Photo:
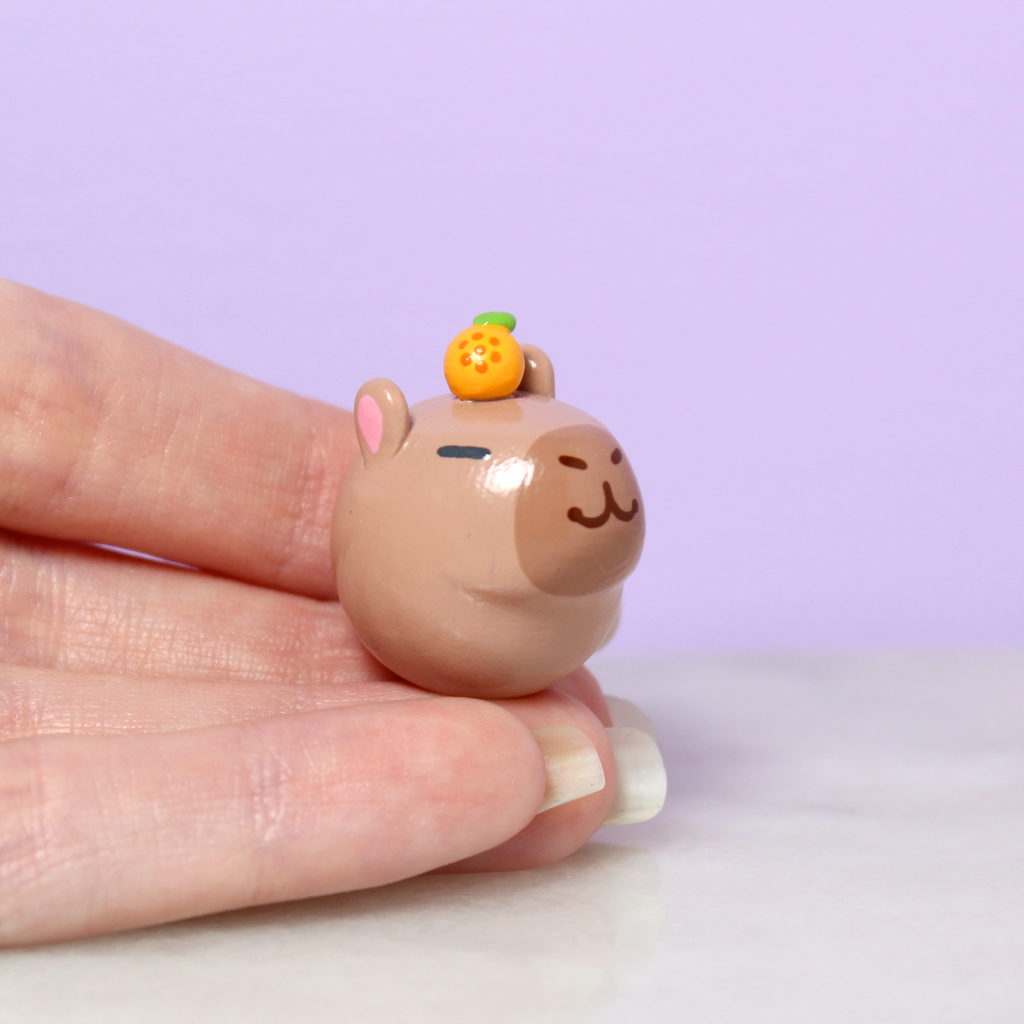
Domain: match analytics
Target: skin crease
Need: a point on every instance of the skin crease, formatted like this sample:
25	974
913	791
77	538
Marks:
178	741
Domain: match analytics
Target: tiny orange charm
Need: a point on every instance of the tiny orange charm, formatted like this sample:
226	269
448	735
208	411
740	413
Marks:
485	361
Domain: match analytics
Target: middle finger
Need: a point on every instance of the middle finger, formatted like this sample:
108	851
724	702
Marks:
83	609
78	610
110	643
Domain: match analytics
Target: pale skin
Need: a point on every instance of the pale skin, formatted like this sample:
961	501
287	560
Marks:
179	741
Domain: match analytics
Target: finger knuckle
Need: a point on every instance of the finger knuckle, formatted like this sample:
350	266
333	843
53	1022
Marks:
272	786
51	402
25	852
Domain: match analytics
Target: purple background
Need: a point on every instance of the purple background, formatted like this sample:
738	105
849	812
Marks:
777	247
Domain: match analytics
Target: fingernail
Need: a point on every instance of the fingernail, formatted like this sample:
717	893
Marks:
627	715
642	780
573	765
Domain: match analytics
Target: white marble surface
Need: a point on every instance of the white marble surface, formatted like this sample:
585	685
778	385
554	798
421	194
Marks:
843	842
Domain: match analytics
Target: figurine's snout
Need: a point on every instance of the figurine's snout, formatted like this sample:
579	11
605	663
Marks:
579	523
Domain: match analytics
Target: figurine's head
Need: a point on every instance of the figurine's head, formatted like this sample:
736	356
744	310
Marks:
479	546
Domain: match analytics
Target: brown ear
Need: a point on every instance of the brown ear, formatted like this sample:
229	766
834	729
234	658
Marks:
539	377
382	419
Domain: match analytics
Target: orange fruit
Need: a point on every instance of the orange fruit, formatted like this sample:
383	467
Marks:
484	361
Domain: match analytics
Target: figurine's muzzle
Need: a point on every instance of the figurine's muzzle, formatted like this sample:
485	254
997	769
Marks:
561	548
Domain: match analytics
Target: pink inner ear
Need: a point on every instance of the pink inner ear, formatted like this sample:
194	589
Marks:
371	422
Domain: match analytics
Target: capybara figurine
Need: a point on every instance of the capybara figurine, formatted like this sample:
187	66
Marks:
480	542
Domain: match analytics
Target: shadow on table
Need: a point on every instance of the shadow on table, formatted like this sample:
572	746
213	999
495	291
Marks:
535	946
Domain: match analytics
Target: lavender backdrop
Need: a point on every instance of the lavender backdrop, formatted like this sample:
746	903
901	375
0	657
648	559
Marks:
777	247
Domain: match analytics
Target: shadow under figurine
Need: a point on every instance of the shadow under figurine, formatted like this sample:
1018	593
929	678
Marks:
480	543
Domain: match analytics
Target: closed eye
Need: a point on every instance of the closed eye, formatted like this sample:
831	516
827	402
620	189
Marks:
463	451
572	462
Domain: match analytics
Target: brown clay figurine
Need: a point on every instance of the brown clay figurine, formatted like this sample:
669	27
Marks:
480	543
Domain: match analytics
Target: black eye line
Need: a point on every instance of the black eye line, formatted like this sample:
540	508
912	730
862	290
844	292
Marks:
572	462
616	456
463	451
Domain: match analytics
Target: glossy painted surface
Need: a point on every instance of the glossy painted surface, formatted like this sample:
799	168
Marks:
483	362
478	545
573	536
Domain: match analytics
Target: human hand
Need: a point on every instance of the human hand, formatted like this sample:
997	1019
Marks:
179	741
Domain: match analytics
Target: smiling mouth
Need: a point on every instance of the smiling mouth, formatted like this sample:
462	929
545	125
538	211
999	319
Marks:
611	508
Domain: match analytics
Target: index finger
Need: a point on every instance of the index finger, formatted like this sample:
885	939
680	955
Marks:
111	435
